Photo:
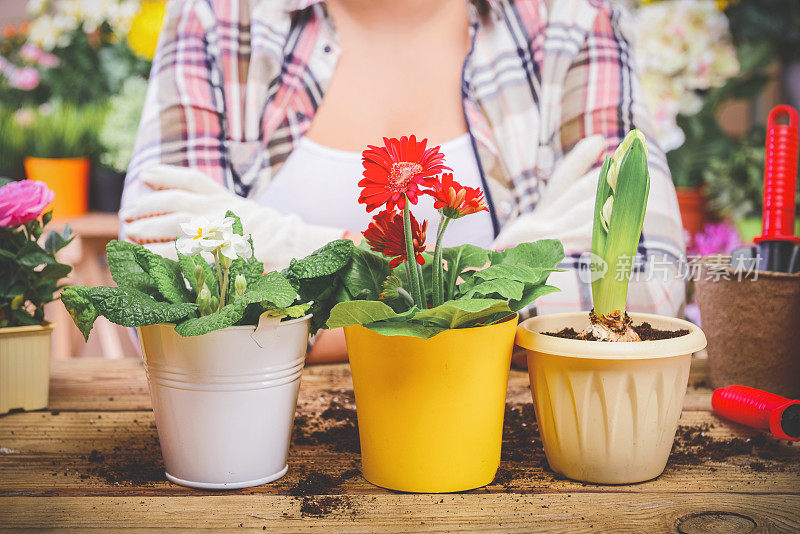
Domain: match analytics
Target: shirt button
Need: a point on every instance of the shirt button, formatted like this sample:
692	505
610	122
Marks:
327	49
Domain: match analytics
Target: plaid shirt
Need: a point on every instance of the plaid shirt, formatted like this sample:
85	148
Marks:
236	83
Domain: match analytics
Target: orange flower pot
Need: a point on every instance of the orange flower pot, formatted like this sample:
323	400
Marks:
69	180
692	203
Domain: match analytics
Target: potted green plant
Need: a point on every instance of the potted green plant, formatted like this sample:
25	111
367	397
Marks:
608	393
430	334
223	345
62	140
118	135
30	279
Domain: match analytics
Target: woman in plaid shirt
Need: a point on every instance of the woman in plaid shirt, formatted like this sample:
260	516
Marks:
539	90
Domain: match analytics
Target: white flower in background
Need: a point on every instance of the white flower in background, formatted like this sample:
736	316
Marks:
682	47
54	21
204	235
37	7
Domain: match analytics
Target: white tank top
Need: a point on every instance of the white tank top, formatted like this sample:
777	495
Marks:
320	185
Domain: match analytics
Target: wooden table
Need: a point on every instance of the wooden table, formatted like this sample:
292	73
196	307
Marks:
92	461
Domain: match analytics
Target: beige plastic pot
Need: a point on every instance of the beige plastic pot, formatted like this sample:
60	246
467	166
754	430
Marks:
607	412
24	367
224	402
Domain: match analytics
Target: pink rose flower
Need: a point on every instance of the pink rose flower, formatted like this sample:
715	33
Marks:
23	201
26	78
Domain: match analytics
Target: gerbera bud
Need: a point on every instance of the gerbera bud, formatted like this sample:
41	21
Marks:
240	284
199	276
454	199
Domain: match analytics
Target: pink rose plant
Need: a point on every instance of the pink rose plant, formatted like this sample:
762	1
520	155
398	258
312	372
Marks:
23	201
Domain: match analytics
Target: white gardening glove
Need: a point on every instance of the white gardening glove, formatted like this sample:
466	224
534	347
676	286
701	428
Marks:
172	195
565	210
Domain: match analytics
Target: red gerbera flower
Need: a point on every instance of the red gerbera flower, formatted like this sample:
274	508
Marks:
397	170
385	234
456	200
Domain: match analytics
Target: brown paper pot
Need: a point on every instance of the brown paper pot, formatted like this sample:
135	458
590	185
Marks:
752	325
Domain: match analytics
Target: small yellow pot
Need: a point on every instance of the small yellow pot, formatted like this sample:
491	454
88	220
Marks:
607	412
430	412
24	367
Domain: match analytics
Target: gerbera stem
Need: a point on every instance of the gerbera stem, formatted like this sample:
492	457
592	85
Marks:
411	258
438	268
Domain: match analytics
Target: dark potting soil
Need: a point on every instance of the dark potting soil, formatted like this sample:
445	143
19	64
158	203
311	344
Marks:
645	330
336	428
693	446
318	483
322	506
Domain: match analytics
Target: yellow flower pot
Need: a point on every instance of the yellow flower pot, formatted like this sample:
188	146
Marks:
24	367
607	412
430	412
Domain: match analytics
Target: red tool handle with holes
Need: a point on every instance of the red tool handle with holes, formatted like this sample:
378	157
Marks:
759	409
780	176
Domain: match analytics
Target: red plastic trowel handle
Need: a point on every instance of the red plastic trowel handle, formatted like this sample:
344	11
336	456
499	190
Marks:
759	409
780	177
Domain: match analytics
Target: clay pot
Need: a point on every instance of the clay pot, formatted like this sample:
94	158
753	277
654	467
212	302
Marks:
692	203
751	320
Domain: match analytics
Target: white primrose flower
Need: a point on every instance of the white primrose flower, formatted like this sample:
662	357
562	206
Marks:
234	245
203	234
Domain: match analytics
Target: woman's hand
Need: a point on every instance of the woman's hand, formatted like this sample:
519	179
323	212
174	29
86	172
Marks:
176	194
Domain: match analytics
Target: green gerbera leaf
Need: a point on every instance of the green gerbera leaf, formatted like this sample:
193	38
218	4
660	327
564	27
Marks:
359	312
462	313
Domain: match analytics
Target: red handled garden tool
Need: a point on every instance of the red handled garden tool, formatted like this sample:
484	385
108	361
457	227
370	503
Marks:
759	409
776	249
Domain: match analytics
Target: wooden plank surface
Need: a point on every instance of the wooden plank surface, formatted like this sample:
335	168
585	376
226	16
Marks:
93	459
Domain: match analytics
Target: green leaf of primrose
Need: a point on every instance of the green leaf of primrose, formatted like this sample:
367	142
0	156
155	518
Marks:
126	271
269	292
237	222
166	275
327	260
125	307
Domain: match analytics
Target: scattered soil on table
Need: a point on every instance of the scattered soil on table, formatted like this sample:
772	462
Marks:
645	330
335	428
521	441
322	506
134	460
318	483
693	446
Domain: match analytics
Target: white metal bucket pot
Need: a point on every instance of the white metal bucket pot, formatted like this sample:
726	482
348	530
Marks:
224	402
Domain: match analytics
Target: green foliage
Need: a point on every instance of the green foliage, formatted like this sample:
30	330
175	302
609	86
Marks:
735	182
152	289
63	130
31	273
121	123
492	286
13	144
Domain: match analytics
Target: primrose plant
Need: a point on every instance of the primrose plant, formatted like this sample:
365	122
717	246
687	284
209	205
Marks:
618	219
395	287
199	296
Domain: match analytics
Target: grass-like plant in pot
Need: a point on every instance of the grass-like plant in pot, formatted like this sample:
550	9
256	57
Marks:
430	334
608	392
31	277
223	344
